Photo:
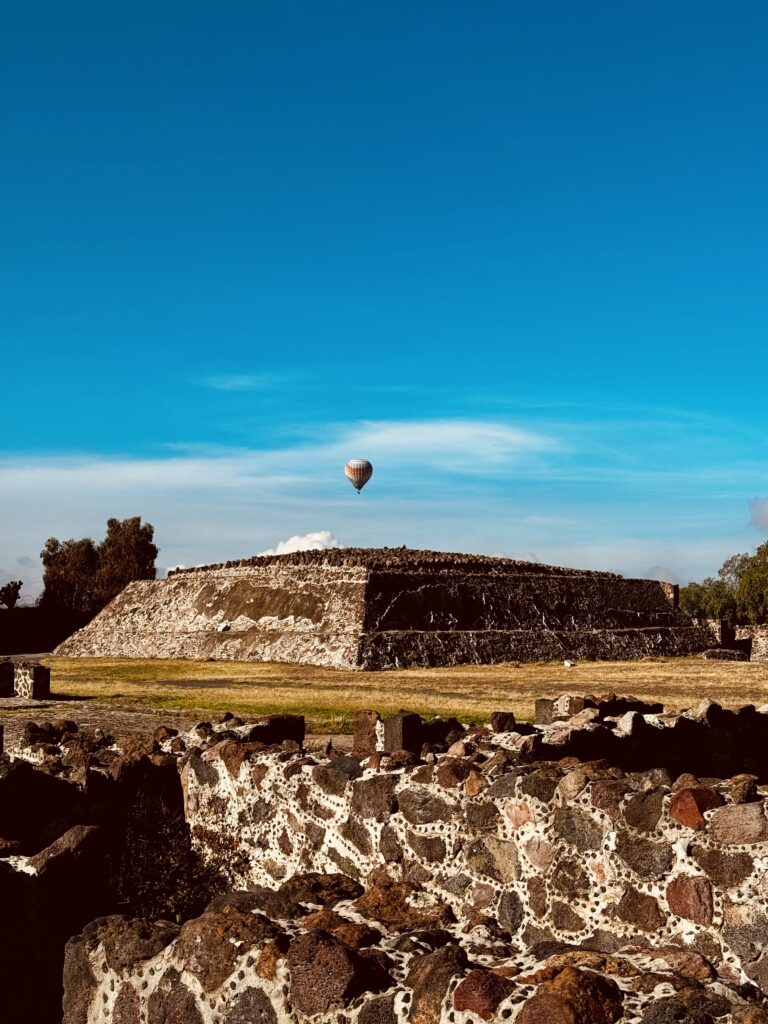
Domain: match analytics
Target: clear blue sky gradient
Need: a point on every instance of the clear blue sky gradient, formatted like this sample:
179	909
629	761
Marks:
244	231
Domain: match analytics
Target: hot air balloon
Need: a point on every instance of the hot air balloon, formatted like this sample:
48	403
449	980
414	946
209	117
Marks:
358	472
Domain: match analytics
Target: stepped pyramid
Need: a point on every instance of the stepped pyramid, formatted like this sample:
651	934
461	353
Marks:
381	608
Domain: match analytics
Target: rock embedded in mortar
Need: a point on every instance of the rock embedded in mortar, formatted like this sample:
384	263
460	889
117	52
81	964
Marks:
481	992
690	896
689	805
327	974
574	997
739	823
429	977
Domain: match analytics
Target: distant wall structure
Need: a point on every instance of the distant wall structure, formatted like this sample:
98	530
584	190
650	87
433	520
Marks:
756	640
382	608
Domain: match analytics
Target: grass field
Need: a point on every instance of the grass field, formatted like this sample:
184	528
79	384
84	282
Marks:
329	698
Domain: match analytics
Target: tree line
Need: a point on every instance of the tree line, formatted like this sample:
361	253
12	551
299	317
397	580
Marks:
738	594
81	577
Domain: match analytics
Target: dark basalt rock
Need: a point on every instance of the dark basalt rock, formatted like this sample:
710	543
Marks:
127	942
578	828
429	977
251	1006
574	997
420	807
481	992
209	945
640	910
726	870
326	974
378	1010
643	811
334	777
375	797
647	858
172	1002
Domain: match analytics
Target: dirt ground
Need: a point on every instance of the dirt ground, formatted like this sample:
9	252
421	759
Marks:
136	696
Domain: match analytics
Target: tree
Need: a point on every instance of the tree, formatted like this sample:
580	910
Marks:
693	600
126	554
712	599
738	595
82	577
733	568
69	575
9	594
752	589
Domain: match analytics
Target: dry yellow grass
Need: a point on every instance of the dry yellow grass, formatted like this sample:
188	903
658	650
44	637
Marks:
329	698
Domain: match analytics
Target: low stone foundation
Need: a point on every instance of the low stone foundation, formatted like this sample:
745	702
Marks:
463	879
569	871
26	679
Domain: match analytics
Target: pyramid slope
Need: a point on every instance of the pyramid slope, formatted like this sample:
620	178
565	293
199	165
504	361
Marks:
379	608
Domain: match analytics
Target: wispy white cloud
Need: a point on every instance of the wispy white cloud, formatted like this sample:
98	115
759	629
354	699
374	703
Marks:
242	381
461	446
319	540
430	489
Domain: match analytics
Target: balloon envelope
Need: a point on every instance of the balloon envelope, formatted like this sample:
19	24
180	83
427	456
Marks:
358	472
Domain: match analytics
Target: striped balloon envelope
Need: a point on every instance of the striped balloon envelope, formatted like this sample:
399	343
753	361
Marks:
358	472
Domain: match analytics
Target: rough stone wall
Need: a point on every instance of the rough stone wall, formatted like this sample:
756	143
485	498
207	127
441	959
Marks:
759	637
75	815
380	609
470	881
303	614
400	600
566	854
319	950
484	647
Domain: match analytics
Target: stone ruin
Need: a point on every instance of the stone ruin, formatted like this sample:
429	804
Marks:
607	863
26	679
383	608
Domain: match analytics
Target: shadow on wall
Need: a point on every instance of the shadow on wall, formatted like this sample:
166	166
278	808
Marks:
100	841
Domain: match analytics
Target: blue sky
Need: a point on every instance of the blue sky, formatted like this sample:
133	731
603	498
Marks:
513	253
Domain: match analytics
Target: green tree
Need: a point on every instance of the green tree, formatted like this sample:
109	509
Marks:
739	593
9	594
693	600
752	589
69	575
127	553
712	599
733	568
82	577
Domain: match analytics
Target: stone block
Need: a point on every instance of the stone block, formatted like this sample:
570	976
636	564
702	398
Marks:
544	711
690	896
364	738
503	721
403	731
278	728
32	681
739	824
